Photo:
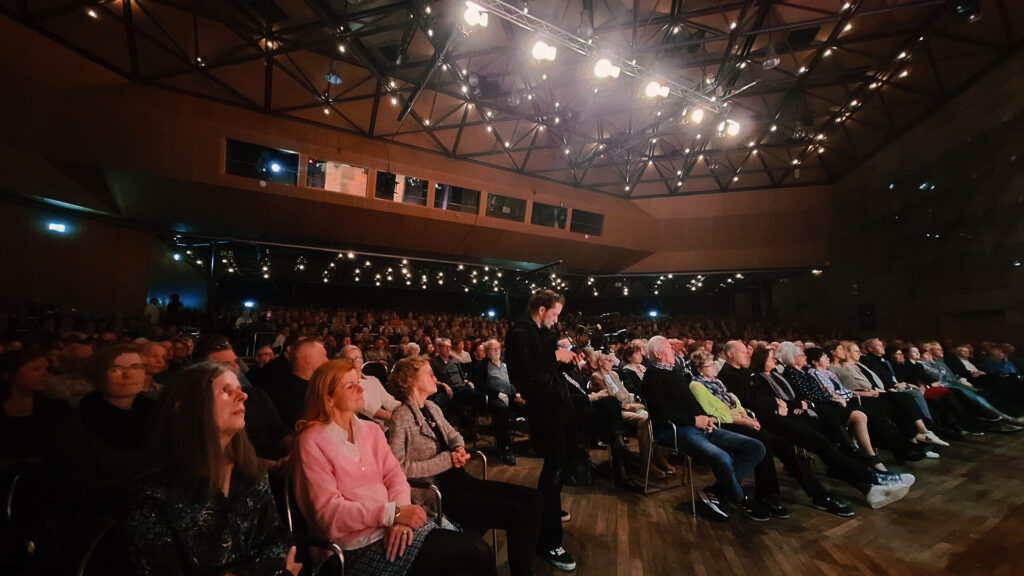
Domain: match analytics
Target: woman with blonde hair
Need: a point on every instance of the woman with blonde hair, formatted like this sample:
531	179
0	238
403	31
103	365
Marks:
351	489
427	447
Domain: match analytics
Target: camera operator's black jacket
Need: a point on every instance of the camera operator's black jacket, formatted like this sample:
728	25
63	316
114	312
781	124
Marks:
530	355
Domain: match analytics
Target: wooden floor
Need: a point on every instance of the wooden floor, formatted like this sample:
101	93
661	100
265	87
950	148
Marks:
965	516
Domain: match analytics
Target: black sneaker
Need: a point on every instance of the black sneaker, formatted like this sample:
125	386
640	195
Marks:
712	502
565	516
832	505
559	558
754	510
508	457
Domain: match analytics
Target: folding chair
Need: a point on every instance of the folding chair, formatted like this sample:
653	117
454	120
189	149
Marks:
673	448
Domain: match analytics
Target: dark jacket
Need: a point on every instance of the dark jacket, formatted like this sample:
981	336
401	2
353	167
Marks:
669	399
530	355
882	367
737	380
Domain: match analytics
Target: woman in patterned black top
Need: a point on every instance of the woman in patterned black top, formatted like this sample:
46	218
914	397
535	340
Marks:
209	509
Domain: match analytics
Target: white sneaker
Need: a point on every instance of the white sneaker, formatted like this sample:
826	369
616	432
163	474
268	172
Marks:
931	454
931	438
879	496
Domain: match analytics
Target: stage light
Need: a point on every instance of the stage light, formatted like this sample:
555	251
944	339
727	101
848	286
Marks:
544	51
694	115
475	15
275	167
249	304
58	227
654	88
491	313
604	68
653	313
176	256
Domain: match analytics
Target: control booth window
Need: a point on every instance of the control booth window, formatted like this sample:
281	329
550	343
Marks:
506	207
261	162
399	188
587	222
456	198
336	177
548	215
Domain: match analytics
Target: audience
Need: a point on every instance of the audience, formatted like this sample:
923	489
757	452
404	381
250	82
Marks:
840	407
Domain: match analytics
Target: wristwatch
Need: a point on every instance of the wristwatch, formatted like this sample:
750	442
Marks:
398	512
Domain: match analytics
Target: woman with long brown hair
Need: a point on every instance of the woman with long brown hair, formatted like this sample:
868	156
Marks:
208	508
351	489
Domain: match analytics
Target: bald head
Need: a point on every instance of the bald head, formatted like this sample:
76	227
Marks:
736	354
308	356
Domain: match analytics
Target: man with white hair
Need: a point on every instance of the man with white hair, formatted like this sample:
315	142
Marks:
674	409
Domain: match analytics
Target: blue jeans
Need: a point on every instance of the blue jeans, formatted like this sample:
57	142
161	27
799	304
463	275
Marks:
731	456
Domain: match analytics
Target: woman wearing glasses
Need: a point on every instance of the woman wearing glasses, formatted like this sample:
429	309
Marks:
100	450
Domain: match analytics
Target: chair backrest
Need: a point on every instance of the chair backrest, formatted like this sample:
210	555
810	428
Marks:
378	370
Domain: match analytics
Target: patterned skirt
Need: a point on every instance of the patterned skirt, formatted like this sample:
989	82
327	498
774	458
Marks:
371	560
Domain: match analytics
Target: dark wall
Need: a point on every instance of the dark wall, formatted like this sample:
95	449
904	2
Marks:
94	265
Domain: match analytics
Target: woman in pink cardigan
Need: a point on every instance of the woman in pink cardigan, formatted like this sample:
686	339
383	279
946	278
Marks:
352	490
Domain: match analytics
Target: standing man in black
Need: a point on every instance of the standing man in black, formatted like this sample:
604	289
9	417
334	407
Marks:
533	357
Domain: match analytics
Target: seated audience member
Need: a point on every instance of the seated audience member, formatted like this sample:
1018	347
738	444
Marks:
781	412
28	419
208	508
456	395
289	395
731	456
351	489
589	364
410	349
267	434
998	364
502	398
600	415
258	373
99	450
876	364
634	414
427	447
716	401
460	353
828	398
378	403
379	352
156	368
934	369
881	430
70	384
632	368
899	407
961	363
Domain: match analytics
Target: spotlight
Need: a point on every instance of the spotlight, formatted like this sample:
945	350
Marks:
249	304
695	115
62	228
653	313
275	167
544	51
176	256
604	68
475	15
333	78
654	88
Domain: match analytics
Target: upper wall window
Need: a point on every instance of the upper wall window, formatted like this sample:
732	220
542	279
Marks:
261	162
336	177
506	207
548	215
587	222
399	188
448	197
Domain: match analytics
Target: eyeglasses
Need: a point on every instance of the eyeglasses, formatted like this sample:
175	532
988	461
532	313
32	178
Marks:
118	370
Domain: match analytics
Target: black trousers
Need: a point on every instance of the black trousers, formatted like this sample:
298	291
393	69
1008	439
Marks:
766	479
601	418
552	422
500	414
805	436
884	433
453	553
481	504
